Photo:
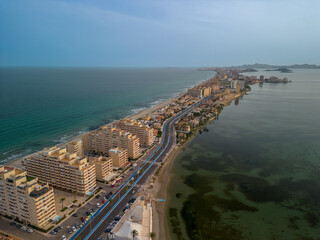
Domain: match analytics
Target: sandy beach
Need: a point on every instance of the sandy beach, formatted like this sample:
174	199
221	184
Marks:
159	191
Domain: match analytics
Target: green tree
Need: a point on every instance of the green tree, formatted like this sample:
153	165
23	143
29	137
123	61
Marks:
153	235
134	234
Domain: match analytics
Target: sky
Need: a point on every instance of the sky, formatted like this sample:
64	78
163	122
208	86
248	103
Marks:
158	33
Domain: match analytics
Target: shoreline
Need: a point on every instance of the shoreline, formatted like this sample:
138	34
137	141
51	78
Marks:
161	184
151	111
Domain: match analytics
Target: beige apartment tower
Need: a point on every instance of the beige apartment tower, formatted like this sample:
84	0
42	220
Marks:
75	147
144	133
62	170
103	165
24	198
119	157
102	140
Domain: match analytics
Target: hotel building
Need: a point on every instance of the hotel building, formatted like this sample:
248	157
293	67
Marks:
62	169
24	198
144	133
102	140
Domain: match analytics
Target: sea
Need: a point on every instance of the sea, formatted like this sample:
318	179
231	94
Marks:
254	174
42	107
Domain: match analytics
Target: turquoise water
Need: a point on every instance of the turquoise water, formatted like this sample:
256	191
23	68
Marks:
41	107
256	173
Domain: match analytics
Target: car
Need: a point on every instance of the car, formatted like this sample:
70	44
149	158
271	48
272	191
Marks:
30	230
117	218
70	231
74	215
133	192
97	196
13	223
108	230
60	226
53	232
103	201
98	204
73	229
56	229
90	203
24	228
18	226
82	219
63	237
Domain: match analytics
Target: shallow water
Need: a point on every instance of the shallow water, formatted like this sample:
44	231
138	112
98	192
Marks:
256	173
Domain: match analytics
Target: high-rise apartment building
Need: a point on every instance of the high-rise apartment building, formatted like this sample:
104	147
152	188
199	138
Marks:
103	165
75	147
119	157
144	133
62	169
24	198
102	140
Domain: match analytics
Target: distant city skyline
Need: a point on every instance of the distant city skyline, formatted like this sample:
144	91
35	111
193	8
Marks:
158	33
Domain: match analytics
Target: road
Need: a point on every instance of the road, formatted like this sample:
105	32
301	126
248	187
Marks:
106	214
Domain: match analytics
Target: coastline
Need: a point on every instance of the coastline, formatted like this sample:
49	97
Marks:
151	111
162	181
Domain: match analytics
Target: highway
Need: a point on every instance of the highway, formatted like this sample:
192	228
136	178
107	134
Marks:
106	214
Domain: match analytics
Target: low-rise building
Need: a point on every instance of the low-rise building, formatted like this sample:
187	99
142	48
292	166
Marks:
24	198
62	169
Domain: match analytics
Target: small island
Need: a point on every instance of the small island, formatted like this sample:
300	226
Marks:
274	79
250	70
282	70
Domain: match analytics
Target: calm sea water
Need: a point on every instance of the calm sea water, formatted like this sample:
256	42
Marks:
41	107
256	173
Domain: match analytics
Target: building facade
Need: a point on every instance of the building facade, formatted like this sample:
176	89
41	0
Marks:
119	157
24	198
103	165
144	133
75	147
102	140
62	170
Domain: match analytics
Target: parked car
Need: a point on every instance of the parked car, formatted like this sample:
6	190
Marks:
60	226
98	204
53	232
108	230
82	219
30	230
117	218
13	223
63	237
24	228
73	229
74	215
18	226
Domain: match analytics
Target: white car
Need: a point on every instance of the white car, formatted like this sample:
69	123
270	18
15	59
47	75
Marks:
74	229
30	230
63	237
98	205
24	228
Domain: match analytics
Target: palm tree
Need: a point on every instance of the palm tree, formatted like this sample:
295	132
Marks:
62	199
153	235
134	233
